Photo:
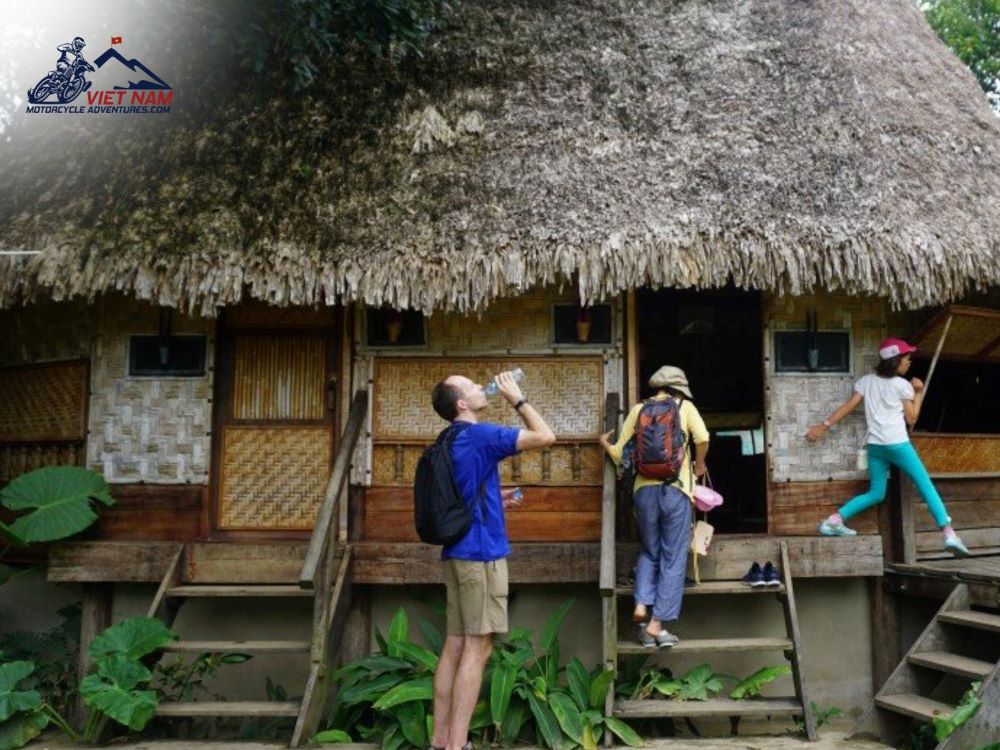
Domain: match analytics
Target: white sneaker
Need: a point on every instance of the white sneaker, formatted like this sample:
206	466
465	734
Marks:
826	528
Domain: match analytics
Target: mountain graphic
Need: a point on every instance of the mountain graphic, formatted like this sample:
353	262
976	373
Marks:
147	79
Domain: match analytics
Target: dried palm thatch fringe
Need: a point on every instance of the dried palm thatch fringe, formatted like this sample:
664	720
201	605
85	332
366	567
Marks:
786	146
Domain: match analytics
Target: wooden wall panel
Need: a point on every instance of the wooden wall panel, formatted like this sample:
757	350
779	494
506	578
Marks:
152	512
974	507
798	507
959	454
561	514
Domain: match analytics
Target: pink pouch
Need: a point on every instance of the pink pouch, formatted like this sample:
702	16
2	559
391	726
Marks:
705	497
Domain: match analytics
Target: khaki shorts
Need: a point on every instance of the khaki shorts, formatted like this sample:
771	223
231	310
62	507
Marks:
477	596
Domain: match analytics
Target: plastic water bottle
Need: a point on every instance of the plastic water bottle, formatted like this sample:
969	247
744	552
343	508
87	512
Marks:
491	389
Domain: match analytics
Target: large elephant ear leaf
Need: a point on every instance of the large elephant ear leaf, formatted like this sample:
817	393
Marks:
132	639
14	701
6	532
19	730
59	498
113	692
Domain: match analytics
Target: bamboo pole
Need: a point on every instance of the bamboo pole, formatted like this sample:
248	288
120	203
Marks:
930	372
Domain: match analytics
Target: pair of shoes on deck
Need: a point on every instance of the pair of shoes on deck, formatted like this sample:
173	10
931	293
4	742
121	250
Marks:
663	639
758	577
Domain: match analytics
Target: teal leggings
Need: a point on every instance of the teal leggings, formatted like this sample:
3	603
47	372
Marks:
903	455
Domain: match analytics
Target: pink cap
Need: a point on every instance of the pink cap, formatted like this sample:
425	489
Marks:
894	348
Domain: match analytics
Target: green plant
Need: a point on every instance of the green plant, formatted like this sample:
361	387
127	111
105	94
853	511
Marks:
698	684
53	653
59	502
179	680
945	726
820	715
119	689
388	696
23	714
751	686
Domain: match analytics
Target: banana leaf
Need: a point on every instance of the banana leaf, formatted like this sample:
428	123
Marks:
568	716
578	680
414	690
623	732
501	687
545	720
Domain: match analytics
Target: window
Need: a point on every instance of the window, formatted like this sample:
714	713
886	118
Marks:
581	326
385	327
159	356
812	351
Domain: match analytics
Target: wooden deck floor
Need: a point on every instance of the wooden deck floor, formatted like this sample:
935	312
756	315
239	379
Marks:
984	569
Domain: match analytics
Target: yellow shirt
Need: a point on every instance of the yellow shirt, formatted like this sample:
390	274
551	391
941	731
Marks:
693	427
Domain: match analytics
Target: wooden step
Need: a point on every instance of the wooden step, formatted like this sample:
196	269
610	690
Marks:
714	587
915	706
225	647
709	645
972	619
241	590
229	708
713	707
942	661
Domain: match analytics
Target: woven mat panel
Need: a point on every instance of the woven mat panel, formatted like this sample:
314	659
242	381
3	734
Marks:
20	459
566	391
279	377
394	465
959	454
273	477
968	336
43	402
522	322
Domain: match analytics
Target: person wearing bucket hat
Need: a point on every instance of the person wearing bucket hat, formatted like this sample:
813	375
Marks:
891	403
663	488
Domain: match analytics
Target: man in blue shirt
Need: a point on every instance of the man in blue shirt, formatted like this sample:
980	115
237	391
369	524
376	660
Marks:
475	567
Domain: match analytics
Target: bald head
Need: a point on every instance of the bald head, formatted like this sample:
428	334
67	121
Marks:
454	394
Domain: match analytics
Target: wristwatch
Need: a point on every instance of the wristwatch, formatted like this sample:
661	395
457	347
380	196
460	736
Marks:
519	404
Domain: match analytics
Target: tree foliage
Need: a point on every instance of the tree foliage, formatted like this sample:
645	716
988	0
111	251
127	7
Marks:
972	29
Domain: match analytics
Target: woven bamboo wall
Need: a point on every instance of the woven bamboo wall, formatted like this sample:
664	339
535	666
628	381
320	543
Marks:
795	401
155	430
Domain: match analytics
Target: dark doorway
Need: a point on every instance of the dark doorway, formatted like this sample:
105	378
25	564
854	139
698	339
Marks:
716	338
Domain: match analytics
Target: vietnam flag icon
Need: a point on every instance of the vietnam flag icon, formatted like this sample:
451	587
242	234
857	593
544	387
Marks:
116	40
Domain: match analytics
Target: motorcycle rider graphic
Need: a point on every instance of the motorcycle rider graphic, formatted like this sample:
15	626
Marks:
67	81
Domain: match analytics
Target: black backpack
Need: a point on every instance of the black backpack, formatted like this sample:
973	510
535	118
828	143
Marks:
439	510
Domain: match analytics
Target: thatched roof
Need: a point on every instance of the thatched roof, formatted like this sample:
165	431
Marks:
775	144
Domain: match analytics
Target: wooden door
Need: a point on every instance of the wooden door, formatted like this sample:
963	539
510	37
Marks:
275	428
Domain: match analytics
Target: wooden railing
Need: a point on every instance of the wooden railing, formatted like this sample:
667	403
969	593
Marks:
330	581
607	576
609	608
322	545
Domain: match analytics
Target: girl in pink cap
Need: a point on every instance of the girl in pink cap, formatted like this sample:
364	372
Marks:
891	403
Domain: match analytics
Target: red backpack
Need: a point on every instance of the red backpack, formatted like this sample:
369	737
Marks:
660	443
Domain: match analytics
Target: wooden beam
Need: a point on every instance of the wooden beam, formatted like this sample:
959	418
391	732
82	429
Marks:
404	563
631	347
886	633
95	617
608	497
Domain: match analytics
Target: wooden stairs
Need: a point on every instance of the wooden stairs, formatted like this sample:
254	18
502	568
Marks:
614	648
325	578
959	646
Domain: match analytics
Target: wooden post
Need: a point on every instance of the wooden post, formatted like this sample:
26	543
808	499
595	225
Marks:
887	651
94	618
358	628
631	347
